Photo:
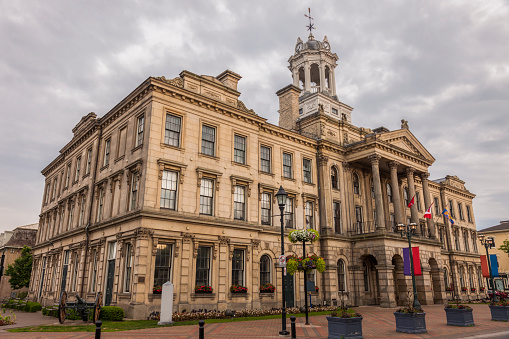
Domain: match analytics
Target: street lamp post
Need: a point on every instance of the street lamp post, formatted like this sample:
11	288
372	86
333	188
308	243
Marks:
489	243
409	231
281	196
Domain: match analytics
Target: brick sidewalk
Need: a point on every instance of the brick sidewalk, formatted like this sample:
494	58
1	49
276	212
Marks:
377	323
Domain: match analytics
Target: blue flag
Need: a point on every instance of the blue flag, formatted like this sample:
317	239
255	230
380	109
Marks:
446	213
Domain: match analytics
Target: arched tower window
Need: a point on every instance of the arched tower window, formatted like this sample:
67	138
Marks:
315	78
389	192
264	270
341	275
355	179
334	177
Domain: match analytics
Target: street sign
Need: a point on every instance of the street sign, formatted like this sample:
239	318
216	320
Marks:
282	260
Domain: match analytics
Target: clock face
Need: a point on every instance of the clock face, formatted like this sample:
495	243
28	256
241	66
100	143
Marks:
298	48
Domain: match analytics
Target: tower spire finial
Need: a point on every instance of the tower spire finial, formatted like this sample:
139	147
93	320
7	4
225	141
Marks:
311	25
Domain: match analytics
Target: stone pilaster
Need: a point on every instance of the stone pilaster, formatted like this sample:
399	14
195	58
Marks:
386	285
379	207
395	192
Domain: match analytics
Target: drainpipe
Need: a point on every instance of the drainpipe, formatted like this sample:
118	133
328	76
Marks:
87	235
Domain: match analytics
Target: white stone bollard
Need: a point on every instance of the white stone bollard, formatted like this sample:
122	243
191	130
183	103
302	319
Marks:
166	304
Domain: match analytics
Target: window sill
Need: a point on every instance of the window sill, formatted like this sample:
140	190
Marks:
203	296
240	164
308	183
119	158
208	156
104	167
86	175
163	145
265	295
266	173
285	178
74	182
136	148
239	295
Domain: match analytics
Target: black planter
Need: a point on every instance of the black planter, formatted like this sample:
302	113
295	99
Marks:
459	317
499	313
344	327
410	322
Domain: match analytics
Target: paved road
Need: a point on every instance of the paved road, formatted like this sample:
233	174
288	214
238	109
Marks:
377	323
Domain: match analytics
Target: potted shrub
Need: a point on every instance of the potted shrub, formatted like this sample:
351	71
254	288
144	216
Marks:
473	289
157	290
500	310
459	315
267	288
344	323
409	319
203	289
238	289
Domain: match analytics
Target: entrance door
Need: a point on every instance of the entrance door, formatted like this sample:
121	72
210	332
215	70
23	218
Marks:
109	282
290	295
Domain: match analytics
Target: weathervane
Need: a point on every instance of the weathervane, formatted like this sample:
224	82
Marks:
311	25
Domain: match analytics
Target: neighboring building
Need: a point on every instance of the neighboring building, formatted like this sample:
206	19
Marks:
177	183
11	244
499	233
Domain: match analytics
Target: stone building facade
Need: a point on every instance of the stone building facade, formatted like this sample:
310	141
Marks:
500	233
177	183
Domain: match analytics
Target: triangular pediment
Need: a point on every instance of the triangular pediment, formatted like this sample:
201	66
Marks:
404	140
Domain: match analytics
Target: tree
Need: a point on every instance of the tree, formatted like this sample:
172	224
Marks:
505	247
20	270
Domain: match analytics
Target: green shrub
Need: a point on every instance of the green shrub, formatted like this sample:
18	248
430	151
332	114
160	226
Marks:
51	311
22	295
32	307
112	313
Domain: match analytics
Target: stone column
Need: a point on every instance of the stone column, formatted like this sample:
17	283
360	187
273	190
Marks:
395	192
386	285
324	187
322	76
427	203
411	192
307	77
333	80
295	77
380	218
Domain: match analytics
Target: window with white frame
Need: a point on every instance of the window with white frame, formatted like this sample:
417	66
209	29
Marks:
265	160
81	217
265	270
460	211
208	140
172	130
306	169
162	272
457	239
71	215
94	272
437	206
287	165
239	149
336	206
239	202
309	214
469	215
89	161
68	175
74	280
78	167
206	196
341	276
139	131
48	192
134	191
266	207
451	208
106	159
203	266
238	267
465	240
128	267
288	214
169	190
100	204
54	195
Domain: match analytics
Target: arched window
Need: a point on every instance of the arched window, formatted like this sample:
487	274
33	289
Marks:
356	184
334	177
341	275
389	192
446	278
405	196
264	270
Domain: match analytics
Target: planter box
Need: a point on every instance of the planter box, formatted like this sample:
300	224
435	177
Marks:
410	322
344	327
499	313
459	317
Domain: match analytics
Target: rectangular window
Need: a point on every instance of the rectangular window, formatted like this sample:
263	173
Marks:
334	111
61	219
162	272
437	207
266	208
336	206
392	220
54	195
239	203
238	267
172	130
306	169
128	266
106	159
309	215
64	270
287	165
43	271
122	136
264	270
289	213
134	191
460	211
169	190
265	159
75	272
112	250
451	207
203	266
48	192
469	214
239	149
71	214
457	240
206	196
100	204
139	131
465	240
358	219
94	273
89	161
82	211
68	175
78	167
208	140
418	201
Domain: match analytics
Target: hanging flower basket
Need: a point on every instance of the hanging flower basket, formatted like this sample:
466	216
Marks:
309	235
157	290
308	264
238	289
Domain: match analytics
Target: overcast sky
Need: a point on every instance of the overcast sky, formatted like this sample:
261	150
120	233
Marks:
441	65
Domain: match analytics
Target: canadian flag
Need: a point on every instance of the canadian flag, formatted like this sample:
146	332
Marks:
428	215
411	202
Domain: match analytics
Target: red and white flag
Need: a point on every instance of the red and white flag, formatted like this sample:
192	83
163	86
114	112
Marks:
411	202
428	215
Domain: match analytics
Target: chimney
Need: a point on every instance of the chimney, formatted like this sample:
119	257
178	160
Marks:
229	79
288	106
